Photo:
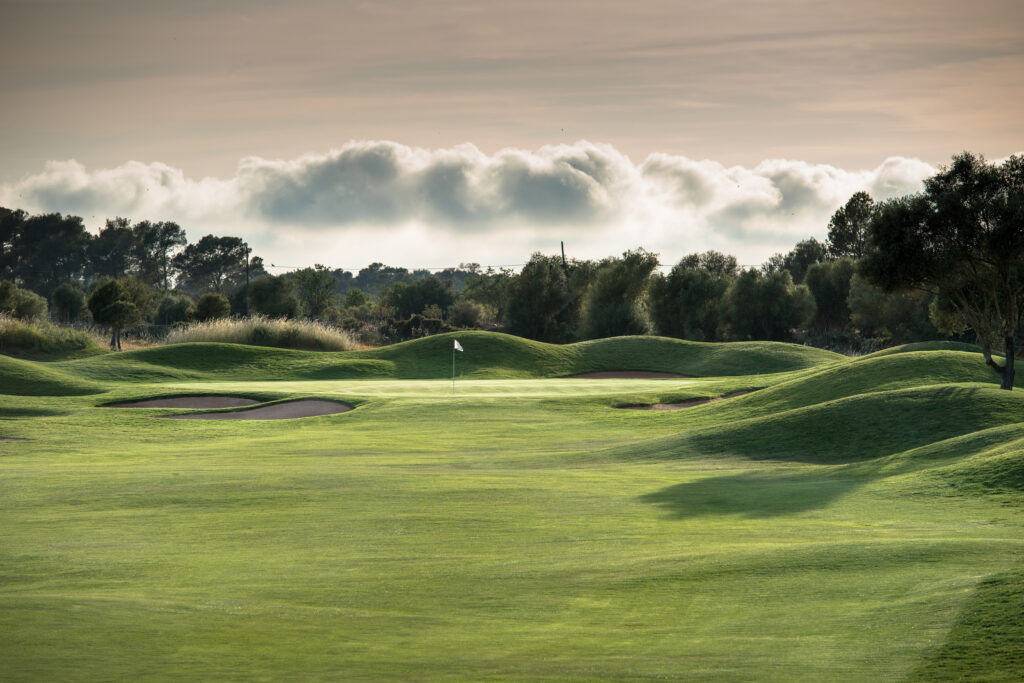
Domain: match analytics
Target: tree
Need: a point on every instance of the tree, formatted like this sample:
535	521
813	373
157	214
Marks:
155	245
686	302
847	230
961	239
49	249
539	300
11	222
174	307
897	317
414	297
765	306
612	305
829	284
111	305
20	303
68	302
213	263
803	256
112	252
315	288
212	306
273	296
354	298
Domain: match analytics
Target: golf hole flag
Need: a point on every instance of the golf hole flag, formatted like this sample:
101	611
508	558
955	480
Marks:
457	347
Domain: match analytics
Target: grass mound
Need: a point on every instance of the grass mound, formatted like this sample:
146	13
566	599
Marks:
869	374
987	641
45	341
928	346
490	354
260	330
859	427
25	378
487	355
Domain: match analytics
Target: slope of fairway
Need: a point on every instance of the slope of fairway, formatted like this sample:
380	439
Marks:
31	378
487	355
869	374
928	346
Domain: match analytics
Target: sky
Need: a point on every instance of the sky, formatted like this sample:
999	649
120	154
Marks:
428	134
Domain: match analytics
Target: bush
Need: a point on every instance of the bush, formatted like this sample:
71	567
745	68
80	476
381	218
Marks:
273	297
212	306
68	302
21	303
174	308
466	314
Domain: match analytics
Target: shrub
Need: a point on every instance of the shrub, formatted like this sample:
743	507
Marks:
68	302
174	308
21	303
212	306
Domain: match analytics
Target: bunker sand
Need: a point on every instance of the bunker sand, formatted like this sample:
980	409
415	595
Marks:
277	411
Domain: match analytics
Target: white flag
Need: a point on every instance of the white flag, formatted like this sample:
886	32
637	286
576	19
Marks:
458	346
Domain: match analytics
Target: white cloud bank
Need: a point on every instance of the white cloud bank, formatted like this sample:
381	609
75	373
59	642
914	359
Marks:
384	201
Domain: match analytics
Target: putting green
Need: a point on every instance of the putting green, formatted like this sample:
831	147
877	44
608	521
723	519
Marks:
852	521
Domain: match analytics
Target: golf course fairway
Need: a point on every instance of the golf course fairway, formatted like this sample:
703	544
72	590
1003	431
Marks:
846	520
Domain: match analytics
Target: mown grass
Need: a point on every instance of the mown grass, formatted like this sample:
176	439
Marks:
518	529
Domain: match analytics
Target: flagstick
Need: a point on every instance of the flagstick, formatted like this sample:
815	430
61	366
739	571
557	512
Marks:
453	369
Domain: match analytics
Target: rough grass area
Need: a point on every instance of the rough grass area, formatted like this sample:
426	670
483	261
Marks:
260	330
852	521
46	341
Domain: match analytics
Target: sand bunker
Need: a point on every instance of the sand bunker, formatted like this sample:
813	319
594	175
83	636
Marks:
684	404
277	411
197	402
627	374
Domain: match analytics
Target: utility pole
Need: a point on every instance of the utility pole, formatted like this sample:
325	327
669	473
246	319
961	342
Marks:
565	266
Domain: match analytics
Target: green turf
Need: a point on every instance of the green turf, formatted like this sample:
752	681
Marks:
850	521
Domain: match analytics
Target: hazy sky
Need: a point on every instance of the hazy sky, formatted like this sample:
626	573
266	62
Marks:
429	133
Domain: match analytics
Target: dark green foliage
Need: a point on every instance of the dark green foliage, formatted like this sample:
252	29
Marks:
415	297
154	249
765	306
68	302
112	251
465	314
847	229
45	250
213	263
354	298
174	307
686	302
803	256
315	289
539	300
118	304
273	297
21	303
829	284
898	317
963	240
613	304
211	306
489	288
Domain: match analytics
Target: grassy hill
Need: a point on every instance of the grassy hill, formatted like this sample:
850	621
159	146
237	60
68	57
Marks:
487	355
853	520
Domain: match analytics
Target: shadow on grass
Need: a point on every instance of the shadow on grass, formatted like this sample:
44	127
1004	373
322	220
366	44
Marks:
987	641
750	495
16	412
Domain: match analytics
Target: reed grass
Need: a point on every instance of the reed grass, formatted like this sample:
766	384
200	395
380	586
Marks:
260	330
42	340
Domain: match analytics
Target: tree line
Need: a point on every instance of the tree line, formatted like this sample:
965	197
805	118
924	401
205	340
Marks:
942	263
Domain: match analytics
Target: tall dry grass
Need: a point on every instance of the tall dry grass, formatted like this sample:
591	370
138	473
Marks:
42	339
262	331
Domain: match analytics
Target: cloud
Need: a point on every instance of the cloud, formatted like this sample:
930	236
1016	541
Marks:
589	188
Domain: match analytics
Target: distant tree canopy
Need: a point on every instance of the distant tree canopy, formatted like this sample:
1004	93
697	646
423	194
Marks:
848	228
613	304
415	297
213	263
962	239
686	303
